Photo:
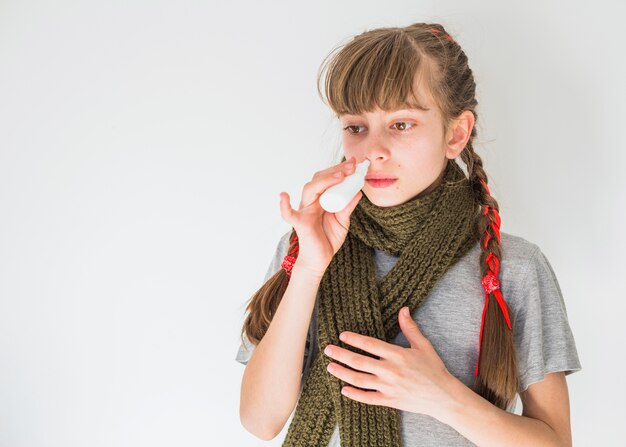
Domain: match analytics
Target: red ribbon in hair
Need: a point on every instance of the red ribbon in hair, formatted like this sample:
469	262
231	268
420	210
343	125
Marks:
490	280
444	35
290	259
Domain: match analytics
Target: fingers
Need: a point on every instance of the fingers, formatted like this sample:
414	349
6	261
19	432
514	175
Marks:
335	168
286	211
323	180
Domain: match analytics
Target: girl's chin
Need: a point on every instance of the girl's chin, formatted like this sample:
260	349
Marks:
382	198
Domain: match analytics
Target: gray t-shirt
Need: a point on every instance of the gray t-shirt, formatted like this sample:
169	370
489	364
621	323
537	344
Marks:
450	317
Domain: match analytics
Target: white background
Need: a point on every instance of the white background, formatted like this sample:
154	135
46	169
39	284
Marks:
143	147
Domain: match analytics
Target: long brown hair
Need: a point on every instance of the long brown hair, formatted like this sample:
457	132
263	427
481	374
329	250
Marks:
379	68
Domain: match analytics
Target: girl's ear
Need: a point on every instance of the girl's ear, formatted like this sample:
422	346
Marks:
459	133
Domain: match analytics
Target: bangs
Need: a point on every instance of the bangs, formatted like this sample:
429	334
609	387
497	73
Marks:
378	71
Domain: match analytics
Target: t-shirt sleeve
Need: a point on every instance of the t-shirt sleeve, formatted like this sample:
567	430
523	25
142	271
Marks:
246	348
542	333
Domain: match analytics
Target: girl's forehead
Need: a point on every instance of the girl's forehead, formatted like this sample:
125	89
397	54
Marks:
422	106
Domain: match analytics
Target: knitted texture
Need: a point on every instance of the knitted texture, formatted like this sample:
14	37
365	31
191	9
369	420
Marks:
429	234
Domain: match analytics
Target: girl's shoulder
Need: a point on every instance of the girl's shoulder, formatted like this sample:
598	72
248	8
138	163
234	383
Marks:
518	257
282	248
520	260
516	252
283	242
527	274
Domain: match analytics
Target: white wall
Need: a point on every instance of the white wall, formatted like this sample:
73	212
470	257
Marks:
143	147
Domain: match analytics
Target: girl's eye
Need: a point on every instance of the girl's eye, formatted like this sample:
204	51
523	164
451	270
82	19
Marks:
402	127
351	127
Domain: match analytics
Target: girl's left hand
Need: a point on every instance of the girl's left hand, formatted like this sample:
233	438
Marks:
412	379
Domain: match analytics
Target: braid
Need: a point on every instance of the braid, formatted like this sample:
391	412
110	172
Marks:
497	378
496	345
292	254
262	305
441	33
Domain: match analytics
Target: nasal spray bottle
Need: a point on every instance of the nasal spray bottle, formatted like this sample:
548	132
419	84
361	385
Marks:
337	197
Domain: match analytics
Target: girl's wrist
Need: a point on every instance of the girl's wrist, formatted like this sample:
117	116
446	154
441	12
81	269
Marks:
303	271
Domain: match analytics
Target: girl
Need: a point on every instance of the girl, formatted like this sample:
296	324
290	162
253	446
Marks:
485	316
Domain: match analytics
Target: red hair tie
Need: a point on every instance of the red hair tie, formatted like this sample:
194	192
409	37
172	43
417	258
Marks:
445	36
287	264
290	258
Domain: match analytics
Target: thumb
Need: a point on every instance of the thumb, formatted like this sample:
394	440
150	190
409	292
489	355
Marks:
409	328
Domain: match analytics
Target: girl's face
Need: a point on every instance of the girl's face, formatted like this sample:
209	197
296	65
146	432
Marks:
407	145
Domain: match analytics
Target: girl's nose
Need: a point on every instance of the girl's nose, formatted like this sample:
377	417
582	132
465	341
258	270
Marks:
376	152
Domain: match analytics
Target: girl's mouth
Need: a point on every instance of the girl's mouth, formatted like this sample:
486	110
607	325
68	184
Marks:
381	183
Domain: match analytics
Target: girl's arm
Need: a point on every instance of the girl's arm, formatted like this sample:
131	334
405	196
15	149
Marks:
271	381
545	420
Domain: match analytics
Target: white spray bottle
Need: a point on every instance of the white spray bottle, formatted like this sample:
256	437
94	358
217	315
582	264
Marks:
337	197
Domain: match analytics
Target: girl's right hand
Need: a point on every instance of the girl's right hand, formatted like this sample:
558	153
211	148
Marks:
320	233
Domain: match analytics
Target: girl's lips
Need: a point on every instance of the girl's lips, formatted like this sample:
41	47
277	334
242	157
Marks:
381	183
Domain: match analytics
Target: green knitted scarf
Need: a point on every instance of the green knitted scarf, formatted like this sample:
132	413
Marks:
429	234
